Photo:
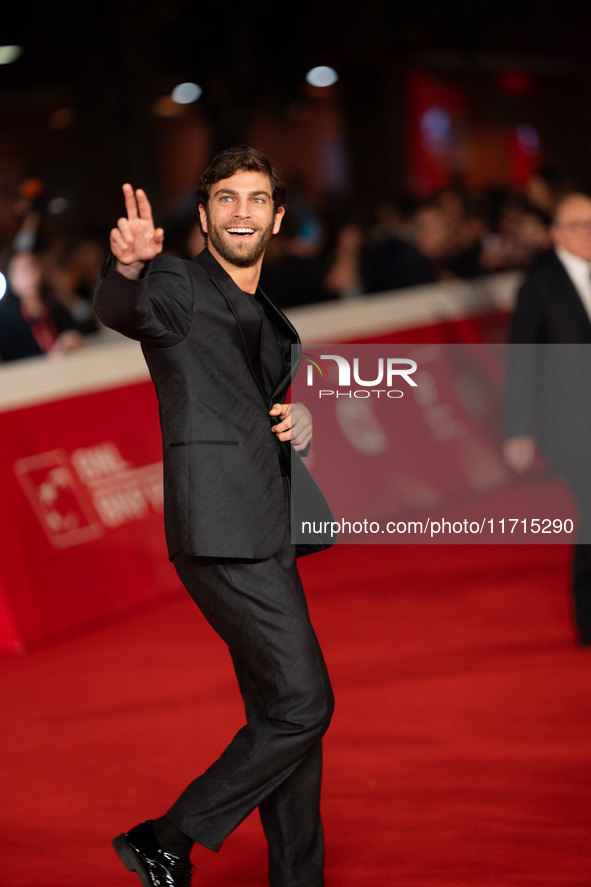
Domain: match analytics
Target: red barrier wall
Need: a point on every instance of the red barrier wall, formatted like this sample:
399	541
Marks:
81	519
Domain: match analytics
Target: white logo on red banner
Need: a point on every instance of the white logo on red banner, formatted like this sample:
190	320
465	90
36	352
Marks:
76	496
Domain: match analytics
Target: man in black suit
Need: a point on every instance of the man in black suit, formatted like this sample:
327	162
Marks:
548	400
218	352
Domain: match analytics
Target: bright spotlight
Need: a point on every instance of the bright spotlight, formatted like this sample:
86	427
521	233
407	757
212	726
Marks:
2	284
185	93
322	76
9	54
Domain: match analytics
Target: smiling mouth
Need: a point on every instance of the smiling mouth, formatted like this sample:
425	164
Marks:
240	232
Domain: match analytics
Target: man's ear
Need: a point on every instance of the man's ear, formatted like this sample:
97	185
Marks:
278	219
203	217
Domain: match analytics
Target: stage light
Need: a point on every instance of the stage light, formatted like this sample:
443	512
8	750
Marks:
9	54
2	284
31	188
322	76
58	205
186	93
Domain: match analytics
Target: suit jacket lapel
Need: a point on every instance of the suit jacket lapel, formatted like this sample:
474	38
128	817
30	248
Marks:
289	337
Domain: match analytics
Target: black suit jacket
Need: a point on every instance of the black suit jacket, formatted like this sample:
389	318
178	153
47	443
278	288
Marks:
223	467
549	365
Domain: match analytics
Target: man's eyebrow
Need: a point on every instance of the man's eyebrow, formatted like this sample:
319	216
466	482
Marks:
234	193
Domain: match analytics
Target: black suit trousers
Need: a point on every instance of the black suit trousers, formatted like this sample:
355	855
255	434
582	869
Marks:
274	762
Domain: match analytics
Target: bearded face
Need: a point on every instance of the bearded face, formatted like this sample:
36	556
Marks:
243	245
240	218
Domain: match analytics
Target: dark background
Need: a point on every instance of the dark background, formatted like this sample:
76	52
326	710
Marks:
85	107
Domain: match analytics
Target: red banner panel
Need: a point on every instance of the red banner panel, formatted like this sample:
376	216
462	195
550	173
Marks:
81	520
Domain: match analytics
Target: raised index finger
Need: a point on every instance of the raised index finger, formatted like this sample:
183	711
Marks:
130	203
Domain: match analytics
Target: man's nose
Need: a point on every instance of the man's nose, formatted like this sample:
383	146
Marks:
241	209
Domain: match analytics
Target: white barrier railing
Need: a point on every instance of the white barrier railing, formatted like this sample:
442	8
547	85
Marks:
111	360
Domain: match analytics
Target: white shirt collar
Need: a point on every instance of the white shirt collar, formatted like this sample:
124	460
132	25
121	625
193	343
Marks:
575	265
579	272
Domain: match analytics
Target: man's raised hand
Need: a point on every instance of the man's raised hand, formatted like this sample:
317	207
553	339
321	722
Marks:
135	241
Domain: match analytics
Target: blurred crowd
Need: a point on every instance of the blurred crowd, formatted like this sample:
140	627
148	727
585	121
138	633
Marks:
407	242
319	255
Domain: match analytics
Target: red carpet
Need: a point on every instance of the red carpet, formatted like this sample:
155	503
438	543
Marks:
459	753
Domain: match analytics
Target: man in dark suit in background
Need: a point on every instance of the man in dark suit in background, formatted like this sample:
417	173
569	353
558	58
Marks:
219	356
549	382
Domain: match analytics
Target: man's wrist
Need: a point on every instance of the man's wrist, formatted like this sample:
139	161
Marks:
133	271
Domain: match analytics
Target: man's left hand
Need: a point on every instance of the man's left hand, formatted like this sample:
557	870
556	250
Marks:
295	424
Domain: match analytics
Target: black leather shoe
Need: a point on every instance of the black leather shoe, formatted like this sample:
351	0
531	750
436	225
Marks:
139	852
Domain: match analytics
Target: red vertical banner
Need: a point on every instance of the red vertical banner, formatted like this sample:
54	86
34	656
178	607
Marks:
435	112
81	514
